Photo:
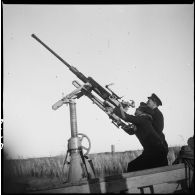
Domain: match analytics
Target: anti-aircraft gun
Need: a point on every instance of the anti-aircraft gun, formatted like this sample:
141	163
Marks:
110	100
80	166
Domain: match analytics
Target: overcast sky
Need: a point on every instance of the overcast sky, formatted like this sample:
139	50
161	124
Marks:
142	49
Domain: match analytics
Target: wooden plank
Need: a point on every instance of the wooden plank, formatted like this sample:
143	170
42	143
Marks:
155	178
129	182
154	170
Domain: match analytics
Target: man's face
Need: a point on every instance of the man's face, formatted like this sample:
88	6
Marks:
151	103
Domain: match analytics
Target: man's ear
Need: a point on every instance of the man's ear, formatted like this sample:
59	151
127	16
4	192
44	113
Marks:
155	104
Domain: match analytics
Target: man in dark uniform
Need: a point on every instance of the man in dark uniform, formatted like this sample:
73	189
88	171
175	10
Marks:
154	153
158	119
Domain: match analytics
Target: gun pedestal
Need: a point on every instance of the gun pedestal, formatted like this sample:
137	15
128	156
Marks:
80	166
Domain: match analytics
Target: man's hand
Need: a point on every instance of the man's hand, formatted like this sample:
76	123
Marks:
130	129
127	104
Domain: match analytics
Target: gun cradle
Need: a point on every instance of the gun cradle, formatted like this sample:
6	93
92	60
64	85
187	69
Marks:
104	105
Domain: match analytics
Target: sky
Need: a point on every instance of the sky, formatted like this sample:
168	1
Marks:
142	49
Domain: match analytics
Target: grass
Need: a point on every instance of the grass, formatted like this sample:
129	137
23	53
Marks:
105	164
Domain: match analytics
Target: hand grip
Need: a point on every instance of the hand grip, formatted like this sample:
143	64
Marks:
57	104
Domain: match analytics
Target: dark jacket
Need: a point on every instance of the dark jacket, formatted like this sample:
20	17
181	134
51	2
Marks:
158	120
158	124
154	150
148	137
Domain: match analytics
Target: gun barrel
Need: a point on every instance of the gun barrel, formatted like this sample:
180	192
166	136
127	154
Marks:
55	54
71	68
